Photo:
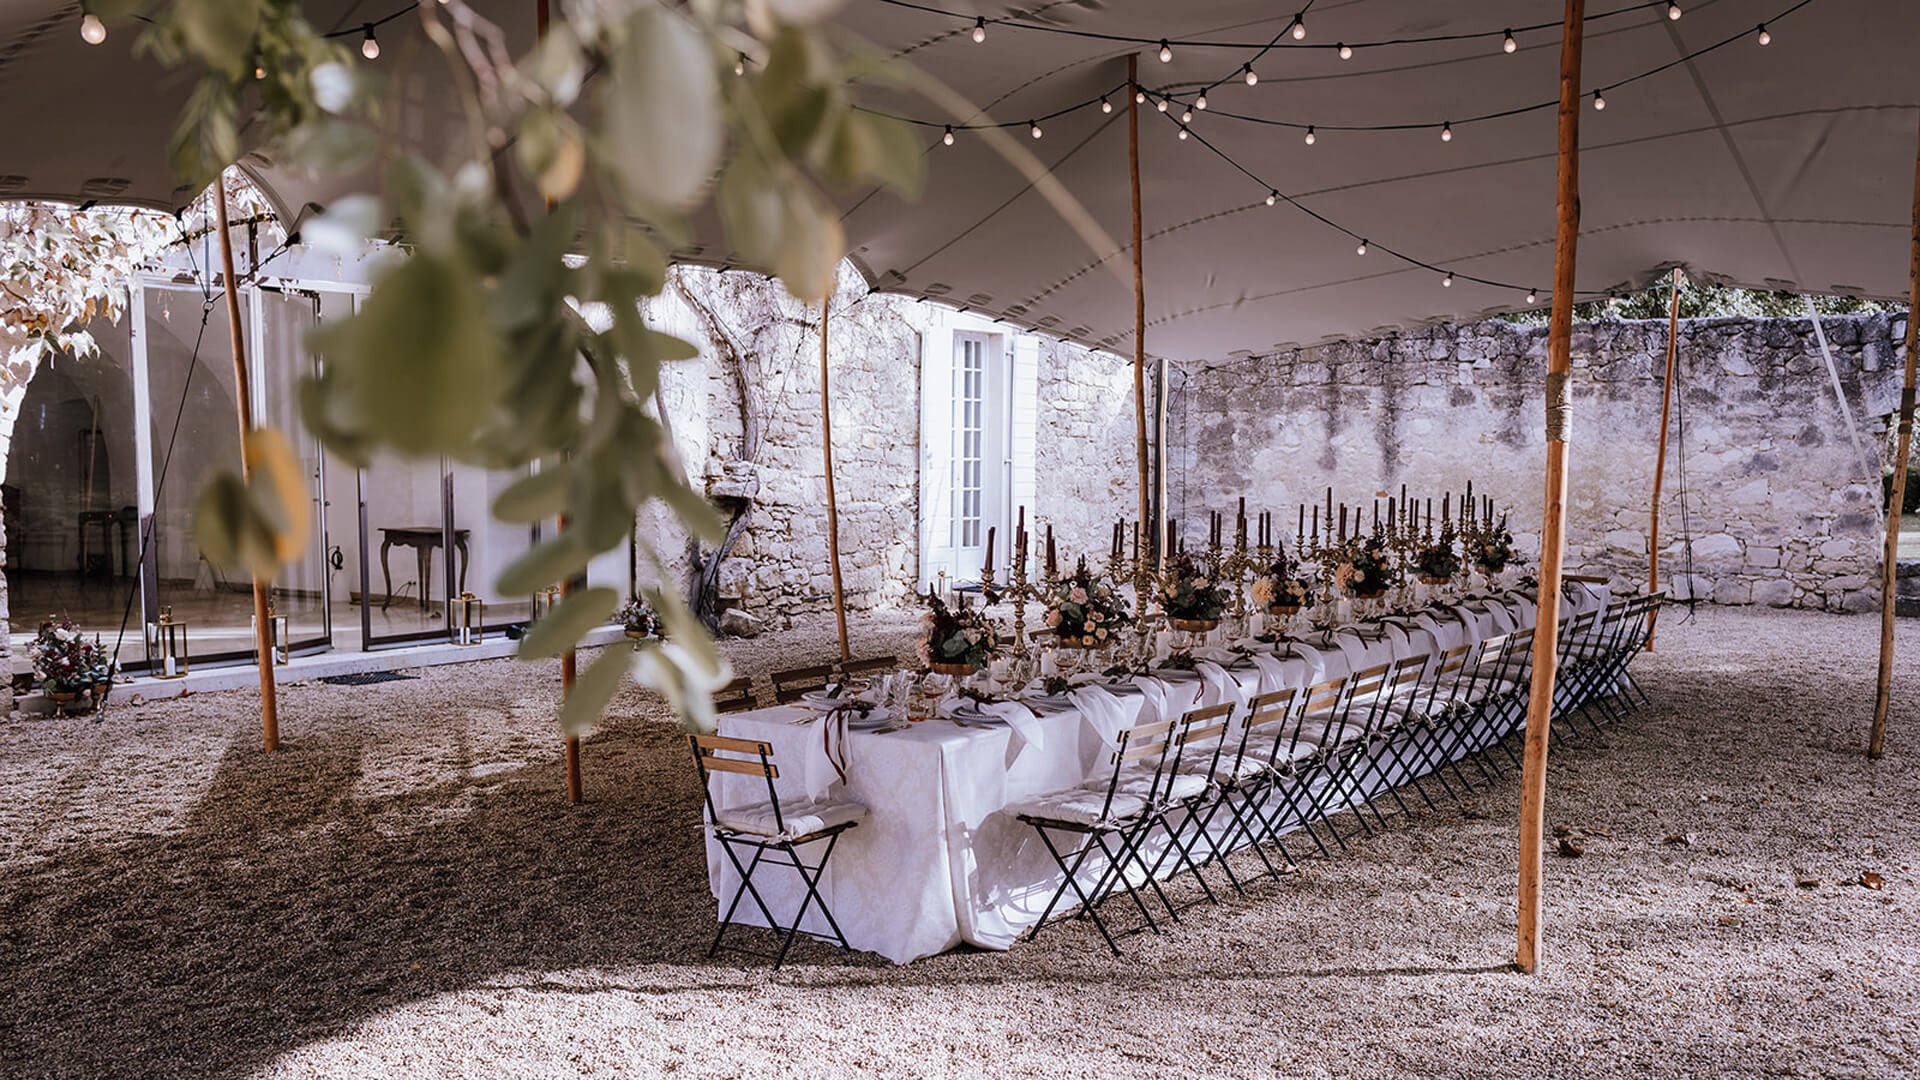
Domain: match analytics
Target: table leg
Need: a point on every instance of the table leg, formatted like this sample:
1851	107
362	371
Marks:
386	573
462	545
424	554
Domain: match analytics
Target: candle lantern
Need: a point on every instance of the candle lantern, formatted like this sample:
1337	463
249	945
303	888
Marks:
545	601
468	613
278	634
167	647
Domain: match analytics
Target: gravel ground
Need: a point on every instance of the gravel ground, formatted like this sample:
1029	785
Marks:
402	891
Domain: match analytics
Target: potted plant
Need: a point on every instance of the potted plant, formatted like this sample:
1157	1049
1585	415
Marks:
1191	597
1087	612
1436	563
71	668
1282	590
956	641
638	619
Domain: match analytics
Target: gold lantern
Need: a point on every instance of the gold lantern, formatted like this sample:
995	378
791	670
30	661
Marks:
467	624
544	602
167	647
281	640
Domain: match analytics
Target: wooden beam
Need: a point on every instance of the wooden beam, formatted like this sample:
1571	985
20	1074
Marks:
1660	455
833	509
243	402
1876	744
1533	783
1139	292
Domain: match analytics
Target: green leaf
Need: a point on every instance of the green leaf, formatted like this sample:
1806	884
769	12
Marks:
562	628
662	105
534	497
325	146
587	703
219	32
549	562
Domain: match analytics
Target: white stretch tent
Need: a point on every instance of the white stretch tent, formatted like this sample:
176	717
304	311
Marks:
1777	166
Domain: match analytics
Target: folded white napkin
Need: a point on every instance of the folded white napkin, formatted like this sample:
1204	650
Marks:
1273	672
1102	712
1221	687
1020	718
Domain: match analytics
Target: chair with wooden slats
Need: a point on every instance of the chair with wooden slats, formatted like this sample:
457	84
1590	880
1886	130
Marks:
1270	799
1203	748
872	665
790	685
1109	817
736	696
777	826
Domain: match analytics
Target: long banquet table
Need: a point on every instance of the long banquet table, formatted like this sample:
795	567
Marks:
937	862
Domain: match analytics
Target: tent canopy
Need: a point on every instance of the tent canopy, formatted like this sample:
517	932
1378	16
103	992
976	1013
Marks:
1781	166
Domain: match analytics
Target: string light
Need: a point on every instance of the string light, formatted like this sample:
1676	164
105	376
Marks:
1532	296
1311	137
1446	131
948	137
1106	106
1447	282
92	30
1034	128
1673	12
1300	27
1139	97
1166	51
1764	38
979	30
1346	51
369	47
259	72
1508	44
1362	249
1272	197
1161	104
1183	133
1252	79
1186	116
740	65
1201	101
1599	101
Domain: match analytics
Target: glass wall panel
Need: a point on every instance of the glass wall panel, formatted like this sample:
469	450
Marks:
282	360
406	550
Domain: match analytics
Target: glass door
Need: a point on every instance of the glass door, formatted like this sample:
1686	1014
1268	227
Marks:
280	360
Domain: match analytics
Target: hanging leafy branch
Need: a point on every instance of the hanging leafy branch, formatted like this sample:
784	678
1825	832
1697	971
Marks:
627	118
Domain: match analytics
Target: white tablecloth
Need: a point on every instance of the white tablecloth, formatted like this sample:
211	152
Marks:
936	863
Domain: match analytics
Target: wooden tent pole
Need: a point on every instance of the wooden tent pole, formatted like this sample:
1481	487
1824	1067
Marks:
243	401
833	508
1533	784
1660	456
1876	745
1139	291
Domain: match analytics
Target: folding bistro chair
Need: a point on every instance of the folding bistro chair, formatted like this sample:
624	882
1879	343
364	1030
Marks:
736	696
1111	816
1304	771
1264	751
774	831
872	665
791	684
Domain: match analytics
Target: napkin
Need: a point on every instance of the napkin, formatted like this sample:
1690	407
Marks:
1273	672
1020	718
1102	711
1168	701
1220	686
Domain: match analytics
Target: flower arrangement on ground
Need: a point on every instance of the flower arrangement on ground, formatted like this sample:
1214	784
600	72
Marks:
1440	560
1370	570
1493	550
957	637
1191	594
66	661
639	619
1088	612
1282	588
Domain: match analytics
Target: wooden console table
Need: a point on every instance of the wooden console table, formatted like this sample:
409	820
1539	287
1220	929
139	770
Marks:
422	540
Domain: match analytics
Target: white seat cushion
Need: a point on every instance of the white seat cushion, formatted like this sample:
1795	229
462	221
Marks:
1140	782
802	817
1259	748
1082	806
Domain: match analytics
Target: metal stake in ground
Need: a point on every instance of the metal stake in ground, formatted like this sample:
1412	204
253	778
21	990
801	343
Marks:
1533	784
1876	745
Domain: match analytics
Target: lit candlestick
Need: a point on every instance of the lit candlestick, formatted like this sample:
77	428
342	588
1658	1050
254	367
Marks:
989	548
1052	568
1343	523
1316	523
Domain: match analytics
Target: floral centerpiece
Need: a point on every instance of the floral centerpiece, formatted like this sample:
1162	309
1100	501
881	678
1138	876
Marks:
1440	560
639	619
1370	571
1087	613
1282	589
1192	598
68	664
957	641
1493	550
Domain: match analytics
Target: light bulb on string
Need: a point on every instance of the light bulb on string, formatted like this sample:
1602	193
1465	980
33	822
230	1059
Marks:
1272	197
1166	52
1764	37
1532	296
1673	12
1362	249
1106	106
979	30
1300	27
1346	51
92	30
1252	79
259	72
1447	282
1201	101
1033	128
1446	131
947	139
369	47
1186	116
740	65
1311	137
1139	97
1183	133
1508	44
1599	101
1161	104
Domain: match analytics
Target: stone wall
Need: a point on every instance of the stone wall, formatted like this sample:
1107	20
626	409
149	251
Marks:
1778	508
1084	465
